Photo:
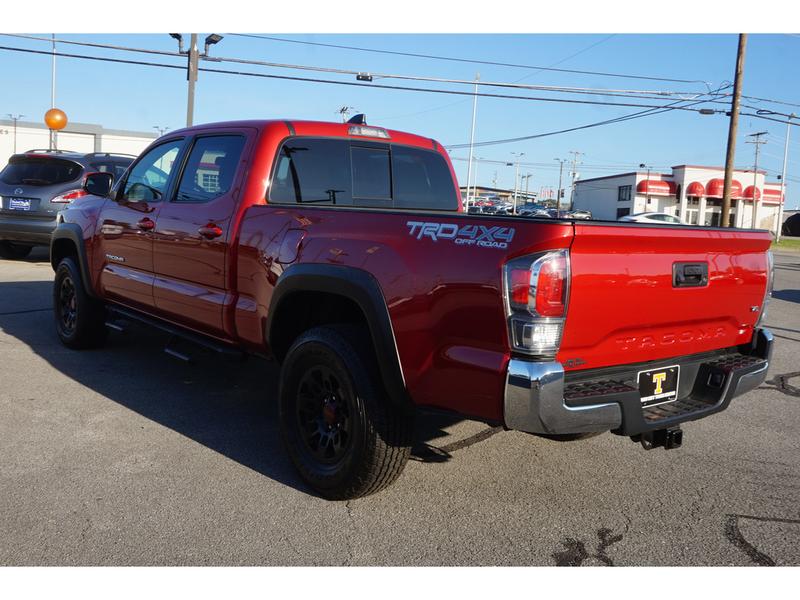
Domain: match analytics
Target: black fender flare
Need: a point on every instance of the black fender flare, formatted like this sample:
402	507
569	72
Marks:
364	290
73	233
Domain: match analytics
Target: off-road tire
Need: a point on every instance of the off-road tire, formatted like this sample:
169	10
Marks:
79	318
11	251
379	435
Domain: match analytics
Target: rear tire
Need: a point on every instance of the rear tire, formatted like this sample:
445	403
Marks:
341	431
80	319
12	251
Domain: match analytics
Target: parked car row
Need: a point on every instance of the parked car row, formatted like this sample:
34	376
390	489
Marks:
37	185
539	211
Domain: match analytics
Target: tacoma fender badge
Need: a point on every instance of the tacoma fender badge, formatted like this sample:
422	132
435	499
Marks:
114	258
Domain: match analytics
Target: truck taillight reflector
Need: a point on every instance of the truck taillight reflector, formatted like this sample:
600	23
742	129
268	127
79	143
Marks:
536	292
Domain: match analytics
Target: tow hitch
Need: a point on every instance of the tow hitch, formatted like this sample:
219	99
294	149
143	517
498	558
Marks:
668	439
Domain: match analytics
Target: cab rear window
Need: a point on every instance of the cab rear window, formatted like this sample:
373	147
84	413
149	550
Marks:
40	171
358	173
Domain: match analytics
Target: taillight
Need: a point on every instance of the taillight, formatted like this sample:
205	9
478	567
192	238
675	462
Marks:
536	293
70	196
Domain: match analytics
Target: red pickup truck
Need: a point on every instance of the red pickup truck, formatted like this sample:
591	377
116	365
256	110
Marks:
341	250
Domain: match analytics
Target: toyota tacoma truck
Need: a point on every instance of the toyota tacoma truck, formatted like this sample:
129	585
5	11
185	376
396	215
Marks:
341	250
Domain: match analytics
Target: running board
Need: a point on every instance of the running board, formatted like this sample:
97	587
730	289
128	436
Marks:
173	330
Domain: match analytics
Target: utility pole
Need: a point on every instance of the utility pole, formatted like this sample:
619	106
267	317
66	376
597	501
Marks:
478	159
494	180
527	181
561	162
732	130
574	174
757	141
16	118
161	130
472	135
783	179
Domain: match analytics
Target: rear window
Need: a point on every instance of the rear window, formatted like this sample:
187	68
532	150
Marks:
116	168
40	171
338	171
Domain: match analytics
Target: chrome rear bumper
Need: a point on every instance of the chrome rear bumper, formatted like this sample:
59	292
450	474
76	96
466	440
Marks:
539	400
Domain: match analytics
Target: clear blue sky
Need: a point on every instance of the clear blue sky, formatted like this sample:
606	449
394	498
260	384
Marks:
135	97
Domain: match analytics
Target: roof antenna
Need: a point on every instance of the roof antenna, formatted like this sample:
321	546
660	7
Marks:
359	119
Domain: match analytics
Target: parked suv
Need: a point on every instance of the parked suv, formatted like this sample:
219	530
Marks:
36	185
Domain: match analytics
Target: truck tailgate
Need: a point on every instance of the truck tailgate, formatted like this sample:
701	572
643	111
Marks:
626	307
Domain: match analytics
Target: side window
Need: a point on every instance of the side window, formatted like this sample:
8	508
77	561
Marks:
312	171
372	180
148	179
211	168
422	180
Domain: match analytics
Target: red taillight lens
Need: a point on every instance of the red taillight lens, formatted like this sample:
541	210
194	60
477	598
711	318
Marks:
551	287
70	196
520	286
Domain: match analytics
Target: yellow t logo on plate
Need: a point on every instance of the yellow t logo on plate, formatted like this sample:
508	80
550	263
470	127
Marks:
658	379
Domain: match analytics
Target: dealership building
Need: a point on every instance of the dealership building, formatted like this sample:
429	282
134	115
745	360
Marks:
78	137
691	193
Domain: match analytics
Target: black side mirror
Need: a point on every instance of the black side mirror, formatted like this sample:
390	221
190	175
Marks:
98	184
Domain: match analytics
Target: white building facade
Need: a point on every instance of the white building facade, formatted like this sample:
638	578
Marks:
79	137
691	193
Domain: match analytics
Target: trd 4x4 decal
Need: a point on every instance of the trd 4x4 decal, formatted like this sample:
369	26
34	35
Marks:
466	235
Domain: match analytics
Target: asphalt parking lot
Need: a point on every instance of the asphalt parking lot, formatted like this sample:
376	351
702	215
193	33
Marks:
126	456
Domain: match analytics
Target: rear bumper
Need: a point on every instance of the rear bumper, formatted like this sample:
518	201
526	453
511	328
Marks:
27	230
540	398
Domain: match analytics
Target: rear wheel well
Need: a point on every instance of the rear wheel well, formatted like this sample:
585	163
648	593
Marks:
60	249
300	311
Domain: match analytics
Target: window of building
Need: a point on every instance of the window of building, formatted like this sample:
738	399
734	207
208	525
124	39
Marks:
623	212
210	168
624	193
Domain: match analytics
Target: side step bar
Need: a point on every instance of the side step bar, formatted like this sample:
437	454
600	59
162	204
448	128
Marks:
118	312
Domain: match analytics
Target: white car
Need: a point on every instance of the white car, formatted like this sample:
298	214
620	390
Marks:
655	218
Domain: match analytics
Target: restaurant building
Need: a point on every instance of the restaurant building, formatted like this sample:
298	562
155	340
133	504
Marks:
690	192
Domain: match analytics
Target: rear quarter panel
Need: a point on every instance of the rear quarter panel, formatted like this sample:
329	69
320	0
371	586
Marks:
444	299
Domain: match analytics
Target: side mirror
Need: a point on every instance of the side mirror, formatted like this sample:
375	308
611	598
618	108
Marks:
98	184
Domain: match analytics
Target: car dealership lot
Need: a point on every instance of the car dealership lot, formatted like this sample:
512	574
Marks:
128	456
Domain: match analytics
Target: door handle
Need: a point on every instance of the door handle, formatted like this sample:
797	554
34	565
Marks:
146	224
210	231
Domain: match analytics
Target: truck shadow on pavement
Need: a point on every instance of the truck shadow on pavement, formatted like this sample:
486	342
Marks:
227	405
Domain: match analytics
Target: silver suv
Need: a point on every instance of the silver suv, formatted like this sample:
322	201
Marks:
36	185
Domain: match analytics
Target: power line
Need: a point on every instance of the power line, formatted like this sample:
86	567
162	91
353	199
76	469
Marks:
351	83
468	60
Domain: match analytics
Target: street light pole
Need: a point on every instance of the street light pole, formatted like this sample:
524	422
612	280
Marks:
561	162
472	135
193	57
18	117
519	155
779	226
757	141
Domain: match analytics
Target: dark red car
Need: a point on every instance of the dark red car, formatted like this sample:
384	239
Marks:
342	251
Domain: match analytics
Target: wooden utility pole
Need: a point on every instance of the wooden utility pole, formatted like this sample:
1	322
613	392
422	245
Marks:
730	156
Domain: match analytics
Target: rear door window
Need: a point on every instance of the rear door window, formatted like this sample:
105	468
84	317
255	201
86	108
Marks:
40	171
211	168
422	180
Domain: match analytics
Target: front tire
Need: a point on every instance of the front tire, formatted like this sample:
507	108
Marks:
11	251
342	433
80	319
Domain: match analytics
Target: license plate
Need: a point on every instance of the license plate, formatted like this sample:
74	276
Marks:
19	203
658	386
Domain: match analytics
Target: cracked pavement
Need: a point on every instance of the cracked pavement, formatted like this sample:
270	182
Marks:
127	456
